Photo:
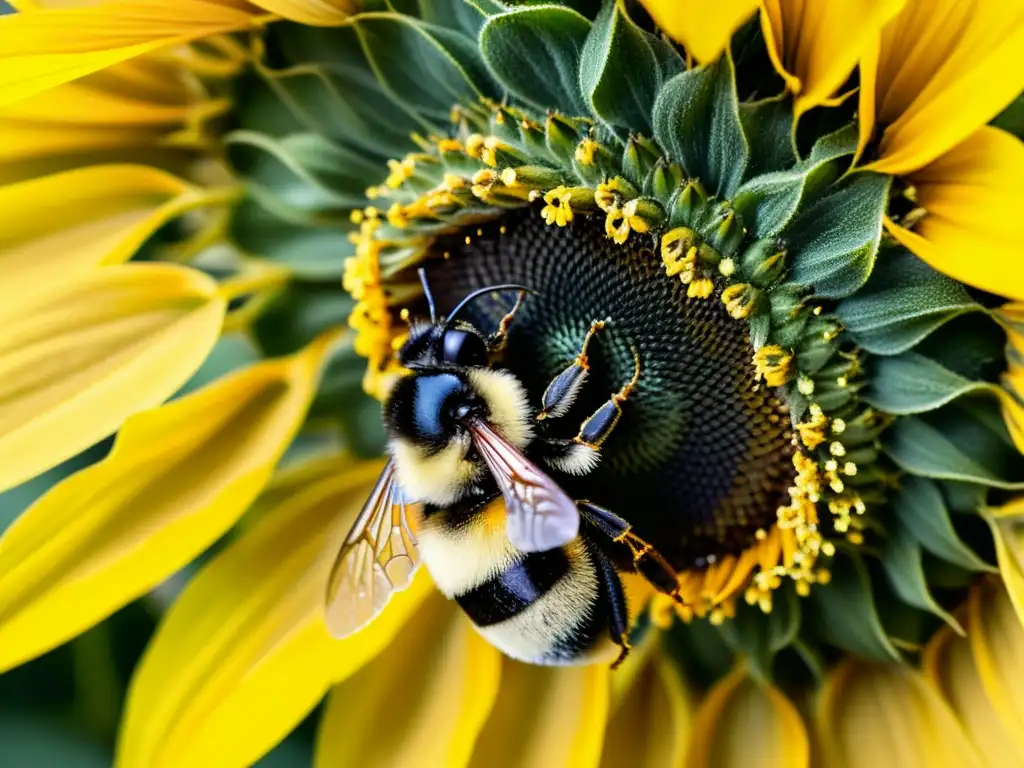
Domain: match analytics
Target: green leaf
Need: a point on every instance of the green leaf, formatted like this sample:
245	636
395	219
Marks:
425	67
262	108
347	106
913	383
622	69
834	241
903	563
769	202
904	301
759	636
1011	119
465	16
962	441
298	315
33	742
304	172
921	511
310	251
768	126
697	122
846	614
535	53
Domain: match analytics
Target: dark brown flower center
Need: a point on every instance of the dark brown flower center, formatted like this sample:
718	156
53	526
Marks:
702	457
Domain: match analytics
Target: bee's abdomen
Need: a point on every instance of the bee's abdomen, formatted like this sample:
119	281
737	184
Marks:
538	607
515	589
543	609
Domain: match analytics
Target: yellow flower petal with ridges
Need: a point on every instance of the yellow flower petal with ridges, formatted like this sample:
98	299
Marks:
997	644
815	45
177	478
872	714
650	724
244	654
81	359
941	70
55	229
773	733
43	49
559	714
948	662
973	230
317	13
439	680
1007	524
703	28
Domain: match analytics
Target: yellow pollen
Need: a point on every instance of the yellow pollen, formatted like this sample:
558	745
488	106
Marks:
585	151
727	267
557	210
773	363
700	288
397	217
738	300
805	385
399	172
837	449
508	177
850	469
449	145
610	194
838	426
616	226
475	145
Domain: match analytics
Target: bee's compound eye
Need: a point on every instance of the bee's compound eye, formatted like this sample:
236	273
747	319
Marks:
464	348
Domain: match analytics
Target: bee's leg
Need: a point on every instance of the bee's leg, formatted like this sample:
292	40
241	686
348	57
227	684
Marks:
648	562
496	344
599	425
610	591
564	388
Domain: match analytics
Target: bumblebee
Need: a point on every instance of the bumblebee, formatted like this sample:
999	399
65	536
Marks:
536	571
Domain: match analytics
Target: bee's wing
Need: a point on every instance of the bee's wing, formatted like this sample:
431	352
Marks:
541	515
378	558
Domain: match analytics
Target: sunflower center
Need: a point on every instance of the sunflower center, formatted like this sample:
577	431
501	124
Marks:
702	457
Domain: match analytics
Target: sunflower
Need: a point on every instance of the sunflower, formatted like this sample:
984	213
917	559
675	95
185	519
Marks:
805	219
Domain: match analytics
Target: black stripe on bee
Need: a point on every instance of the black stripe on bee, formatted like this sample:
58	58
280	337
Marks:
515	589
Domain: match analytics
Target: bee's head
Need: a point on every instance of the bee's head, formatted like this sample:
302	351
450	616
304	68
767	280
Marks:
443	345
432	409
448	342
428	415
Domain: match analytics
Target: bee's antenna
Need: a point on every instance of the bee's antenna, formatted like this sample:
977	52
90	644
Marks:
426	292
481	292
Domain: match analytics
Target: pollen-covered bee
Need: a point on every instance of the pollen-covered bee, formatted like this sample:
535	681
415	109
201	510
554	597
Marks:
535	571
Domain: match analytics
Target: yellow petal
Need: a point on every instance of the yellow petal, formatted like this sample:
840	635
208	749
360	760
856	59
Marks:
55	229
941	70
741	723
43	49
872	715
949	664
318	13
177	478
815	45
243	654
973	231
546	716
421	702
80	360
703	28
997	643
1008	533
651	723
